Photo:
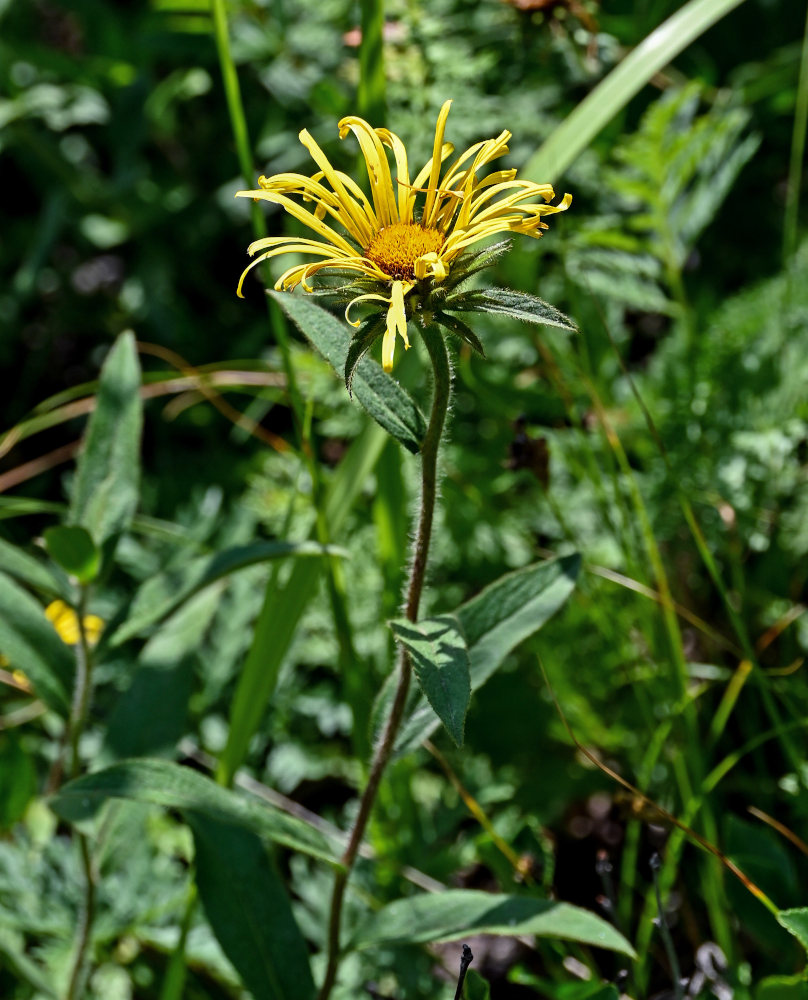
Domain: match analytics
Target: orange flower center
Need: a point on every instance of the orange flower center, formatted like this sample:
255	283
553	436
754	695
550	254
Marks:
396	248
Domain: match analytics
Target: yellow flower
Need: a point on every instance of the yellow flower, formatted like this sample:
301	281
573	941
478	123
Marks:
66	622
407	232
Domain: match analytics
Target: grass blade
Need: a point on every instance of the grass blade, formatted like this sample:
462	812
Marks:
611	95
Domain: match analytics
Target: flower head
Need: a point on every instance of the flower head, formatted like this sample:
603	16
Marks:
410	233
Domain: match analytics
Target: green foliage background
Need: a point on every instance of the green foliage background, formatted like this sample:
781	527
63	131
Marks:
684	262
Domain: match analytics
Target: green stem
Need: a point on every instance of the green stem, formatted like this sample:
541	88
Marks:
82	687
174	982
384	749
797	153
238	124
75	986
78	718
371	91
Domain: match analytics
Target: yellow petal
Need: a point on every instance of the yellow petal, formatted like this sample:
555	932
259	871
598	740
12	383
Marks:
66	622
437	147
381	183
370	297
396	324
388	347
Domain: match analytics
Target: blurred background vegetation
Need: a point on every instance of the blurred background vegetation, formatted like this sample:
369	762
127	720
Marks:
683	261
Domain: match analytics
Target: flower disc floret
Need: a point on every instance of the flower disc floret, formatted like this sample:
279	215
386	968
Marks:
396	248
407	232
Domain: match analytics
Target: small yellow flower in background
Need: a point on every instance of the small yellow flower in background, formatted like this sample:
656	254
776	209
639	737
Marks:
66	622
407	232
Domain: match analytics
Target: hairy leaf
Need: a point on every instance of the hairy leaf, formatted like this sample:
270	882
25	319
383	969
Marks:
382	396
105	491
441	664
249	910
494	622
504	302
163	783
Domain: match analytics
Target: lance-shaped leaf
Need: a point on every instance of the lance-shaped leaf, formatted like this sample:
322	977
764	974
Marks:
504	302
249	910
456	325
494	622
447	916
163	783
383	398
31	644
472	263
105	491
361	342
19	564
441	664
163	593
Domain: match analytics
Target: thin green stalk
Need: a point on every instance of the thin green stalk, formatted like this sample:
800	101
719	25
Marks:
82	688
429	458
735	618
78	717
371	91
795	169
174	981
664	930
238	122
75	988
689	769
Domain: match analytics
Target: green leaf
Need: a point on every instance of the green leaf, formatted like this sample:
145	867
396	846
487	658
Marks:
475	987
73	549
105	490
494	622
285	603
250	913
32	645
472	263
782	988
383	398
361	342
163	783
151	715
580	127
165	592
504	302
456	325
796	922
441	664
17	563
447	916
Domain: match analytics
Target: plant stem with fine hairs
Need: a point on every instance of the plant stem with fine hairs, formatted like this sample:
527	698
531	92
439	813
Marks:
429	459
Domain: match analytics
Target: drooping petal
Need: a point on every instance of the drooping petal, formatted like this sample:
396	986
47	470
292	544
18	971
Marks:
396	324
299	213
362	225
381	183
370	297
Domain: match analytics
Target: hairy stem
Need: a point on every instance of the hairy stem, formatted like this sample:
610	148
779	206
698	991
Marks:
429	458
